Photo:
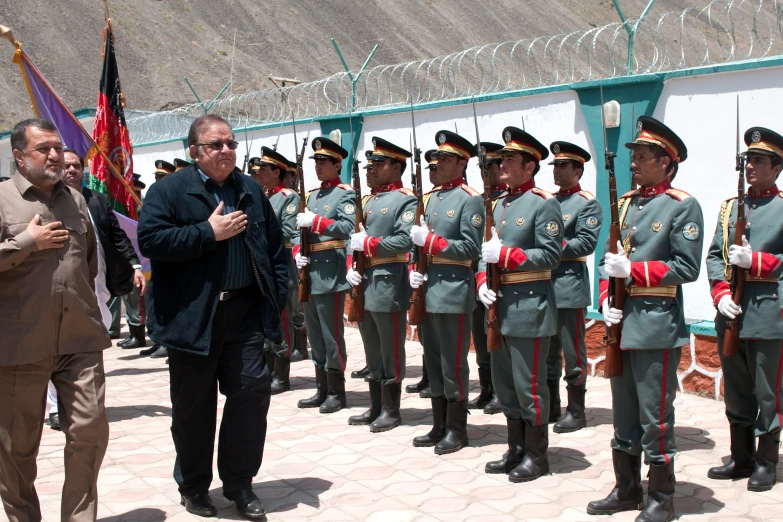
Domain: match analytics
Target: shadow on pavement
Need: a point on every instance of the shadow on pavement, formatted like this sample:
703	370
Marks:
278	496
140	514
118	413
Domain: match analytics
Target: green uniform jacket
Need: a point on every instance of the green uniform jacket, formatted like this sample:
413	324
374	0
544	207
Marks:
582	219
761	306
285	203
454	214
662	233
530	226
335	209
388	218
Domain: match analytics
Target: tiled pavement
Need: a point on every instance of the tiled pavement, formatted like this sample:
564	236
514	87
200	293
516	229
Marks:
317	467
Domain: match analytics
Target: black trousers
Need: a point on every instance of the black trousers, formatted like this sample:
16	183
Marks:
237	366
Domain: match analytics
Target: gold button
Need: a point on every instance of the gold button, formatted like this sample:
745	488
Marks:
633	249
531	292
641	207
634	228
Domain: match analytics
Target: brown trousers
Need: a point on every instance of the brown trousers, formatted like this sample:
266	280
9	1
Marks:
80	381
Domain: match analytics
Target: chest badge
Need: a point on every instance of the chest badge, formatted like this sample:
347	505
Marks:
450	213
384	210
520	221
326	206
656	227
566	217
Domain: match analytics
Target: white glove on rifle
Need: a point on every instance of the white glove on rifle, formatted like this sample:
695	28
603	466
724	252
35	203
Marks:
301	261
727	308
741	256
353	277
305	219
419	233
357	239
486	295
611	315
416	279
617	265
490	251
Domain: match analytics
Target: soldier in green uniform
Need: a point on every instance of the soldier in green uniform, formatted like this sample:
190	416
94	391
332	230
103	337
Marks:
661	229
450	233
385	240
753	392
329	219
423	386
526	247
486	399
300	330
268	171
582	219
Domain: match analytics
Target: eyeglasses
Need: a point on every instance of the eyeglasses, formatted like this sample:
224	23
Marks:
218	145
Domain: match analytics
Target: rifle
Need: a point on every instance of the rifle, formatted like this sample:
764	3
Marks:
736	274
356	295
417	301
493	271
304	238
613	365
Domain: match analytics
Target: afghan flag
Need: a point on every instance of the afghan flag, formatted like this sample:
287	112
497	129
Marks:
111	136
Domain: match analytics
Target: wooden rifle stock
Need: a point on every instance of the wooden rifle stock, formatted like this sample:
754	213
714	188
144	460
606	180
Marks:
493	271
356	295
737	275
417	302
304	239
613	365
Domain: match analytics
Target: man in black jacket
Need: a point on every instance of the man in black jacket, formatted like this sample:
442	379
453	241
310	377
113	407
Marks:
221	279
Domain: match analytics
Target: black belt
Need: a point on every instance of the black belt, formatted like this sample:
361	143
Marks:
232	294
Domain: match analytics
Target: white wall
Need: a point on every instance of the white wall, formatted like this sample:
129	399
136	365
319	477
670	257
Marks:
702	111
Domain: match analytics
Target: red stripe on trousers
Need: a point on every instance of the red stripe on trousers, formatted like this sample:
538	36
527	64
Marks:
338	316
287	332
579	324
459	354
663	404
534	388
777	390
396	348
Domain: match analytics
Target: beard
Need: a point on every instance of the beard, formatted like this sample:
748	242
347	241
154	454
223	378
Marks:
42	175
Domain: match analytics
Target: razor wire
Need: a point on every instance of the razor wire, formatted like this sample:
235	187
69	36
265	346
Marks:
721	32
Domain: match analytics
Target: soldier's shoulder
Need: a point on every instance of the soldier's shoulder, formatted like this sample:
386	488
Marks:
780	195
470	190
434	190
287	192
729	200
679	195
313	190
587	195
345	186
406	191
630	194
542	193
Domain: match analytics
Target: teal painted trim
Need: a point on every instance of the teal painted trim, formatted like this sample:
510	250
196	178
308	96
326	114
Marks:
184	141
703	328
595	315
345	124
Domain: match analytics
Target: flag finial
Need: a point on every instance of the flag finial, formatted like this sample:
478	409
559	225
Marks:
6	34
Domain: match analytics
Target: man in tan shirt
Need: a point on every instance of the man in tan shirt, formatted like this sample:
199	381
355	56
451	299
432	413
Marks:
51	328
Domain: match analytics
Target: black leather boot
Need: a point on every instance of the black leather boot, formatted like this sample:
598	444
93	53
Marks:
554	399
494	405
390	411
269	356
660	494
456	436
335	394
485	382
360	374
423	383
281	383
574	419
535	462
743	455
438	430
320	391
299	352
370	415
136	339
627	494
516	449
764	473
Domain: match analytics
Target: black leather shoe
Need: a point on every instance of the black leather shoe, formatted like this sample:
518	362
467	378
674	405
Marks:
743	455
494	406
199	504
456	436
438	430
248	503
627	494
535	463
320	391
149	351
160	353
764	474
369	416
516	449
660	495
54	421
136	339
574	419
360	374
335	394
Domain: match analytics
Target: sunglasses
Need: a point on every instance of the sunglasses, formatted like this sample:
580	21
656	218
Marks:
218	145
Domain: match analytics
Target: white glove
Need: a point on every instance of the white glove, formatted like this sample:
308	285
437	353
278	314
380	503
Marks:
419	233
611	315
353	277
617	265
301	261
357	239
727	308
741	256
416	279
305	219
490	251
486	295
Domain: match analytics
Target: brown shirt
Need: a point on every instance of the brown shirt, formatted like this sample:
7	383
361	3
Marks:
47	298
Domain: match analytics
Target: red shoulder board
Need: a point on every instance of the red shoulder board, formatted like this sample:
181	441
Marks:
630	194
470	190
678	194
406	191
287	191
345	186
541	192
587	195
